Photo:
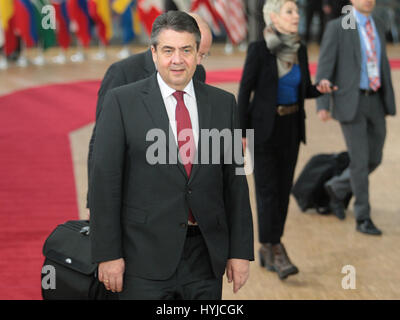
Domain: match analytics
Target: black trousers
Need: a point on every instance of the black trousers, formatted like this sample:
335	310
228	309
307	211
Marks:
274	166
193	279
314	7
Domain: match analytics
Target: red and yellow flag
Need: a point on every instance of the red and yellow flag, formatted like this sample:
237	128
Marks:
7	12
100	12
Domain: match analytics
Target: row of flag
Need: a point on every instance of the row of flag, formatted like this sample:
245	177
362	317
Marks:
89	18
229	13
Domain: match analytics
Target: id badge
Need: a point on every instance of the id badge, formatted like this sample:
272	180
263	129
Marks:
372	69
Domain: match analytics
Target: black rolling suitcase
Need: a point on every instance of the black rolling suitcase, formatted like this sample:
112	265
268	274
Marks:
309	190
68	272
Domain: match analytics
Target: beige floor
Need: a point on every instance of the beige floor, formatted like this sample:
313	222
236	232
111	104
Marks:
320	245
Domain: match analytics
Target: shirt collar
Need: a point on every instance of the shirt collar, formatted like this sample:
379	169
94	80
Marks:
167	91
362	20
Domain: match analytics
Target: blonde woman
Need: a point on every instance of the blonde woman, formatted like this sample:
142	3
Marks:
276	71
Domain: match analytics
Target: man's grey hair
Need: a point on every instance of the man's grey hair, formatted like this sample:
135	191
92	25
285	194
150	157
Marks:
273	6
178	21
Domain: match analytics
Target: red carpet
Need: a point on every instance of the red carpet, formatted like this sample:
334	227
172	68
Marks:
234	75
37	187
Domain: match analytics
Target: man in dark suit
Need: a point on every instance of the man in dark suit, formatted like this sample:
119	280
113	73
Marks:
169	231
138	67
314	7
333	8
256	24
353	57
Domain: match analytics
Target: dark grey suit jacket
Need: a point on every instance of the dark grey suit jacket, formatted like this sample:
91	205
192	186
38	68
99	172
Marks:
134	68
139	210
340	62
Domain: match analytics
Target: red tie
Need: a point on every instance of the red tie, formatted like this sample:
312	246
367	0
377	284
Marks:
183	122
374	82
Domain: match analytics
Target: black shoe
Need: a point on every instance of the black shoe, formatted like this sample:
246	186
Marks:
336	205
368	227
266	256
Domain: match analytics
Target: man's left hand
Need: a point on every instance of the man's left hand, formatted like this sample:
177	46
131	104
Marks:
237	270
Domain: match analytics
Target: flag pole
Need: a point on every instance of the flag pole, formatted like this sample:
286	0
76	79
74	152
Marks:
61	58
101	54
80	55
22	61
3	60
124	53
39	60
228	46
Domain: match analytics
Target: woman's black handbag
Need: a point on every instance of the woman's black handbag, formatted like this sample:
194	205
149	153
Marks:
68	272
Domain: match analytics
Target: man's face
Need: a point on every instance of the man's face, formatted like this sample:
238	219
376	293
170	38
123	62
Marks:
205	44
364	6
176	57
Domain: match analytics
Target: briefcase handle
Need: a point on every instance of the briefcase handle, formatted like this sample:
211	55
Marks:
85	231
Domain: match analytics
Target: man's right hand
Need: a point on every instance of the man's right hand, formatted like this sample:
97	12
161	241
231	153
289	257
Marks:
111	274
324	115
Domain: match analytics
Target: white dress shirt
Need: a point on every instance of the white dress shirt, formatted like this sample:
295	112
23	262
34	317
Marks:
170	103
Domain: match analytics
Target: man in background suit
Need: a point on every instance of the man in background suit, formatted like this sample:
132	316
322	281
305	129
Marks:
355	60
314	7
255	17
333	8
169	231
138	67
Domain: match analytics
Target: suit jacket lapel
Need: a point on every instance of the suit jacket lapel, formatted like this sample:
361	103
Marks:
381	35
204	113
356	40
157	110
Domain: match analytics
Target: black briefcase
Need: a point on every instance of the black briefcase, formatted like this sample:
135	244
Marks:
68	272
309	190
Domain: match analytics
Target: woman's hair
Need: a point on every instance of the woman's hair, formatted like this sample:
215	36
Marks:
272	6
